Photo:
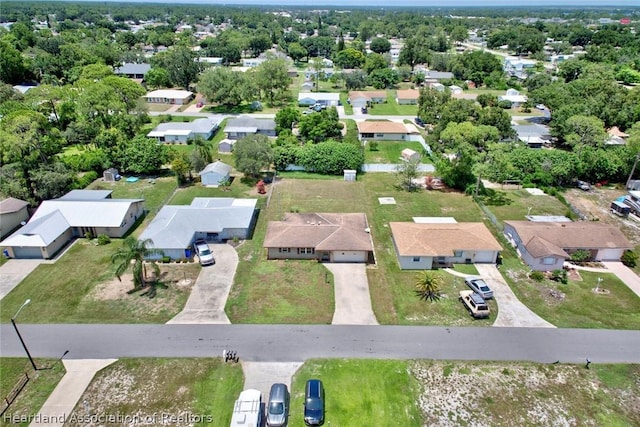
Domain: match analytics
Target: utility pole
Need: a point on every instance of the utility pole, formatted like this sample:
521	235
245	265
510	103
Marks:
633	169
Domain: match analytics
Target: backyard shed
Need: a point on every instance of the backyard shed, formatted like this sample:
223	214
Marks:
409	155
215	173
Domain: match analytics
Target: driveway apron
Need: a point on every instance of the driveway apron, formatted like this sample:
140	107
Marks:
625	274
14	271
261	375
511	312
211	290
353	303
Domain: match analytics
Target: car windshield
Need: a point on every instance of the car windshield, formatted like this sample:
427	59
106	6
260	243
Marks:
314	404
205	252
276	408
484	288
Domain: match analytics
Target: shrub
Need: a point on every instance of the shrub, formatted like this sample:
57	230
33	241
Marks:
580	255
560	276
88	235
629	258
86	179
538	276
103	239
373	145
166	259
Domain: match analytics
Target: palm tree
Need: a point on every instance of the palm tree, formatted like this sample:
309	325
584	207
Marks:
428	284
135	251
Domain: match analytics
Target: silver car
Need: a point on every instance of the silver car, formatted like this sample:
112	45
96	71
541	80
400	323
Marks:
278	406
204	253
479	286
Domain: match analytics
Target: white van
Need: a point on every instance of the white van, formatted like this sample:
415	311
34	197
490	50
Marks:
247	411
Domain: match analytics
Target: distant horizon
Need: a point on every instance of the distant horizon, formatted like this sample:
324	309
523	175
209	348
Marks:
387	3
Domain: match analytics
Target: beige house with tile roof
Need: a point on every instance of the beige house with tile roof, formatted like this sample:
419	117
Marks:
423	246
327	237
383	130
407	96
545	246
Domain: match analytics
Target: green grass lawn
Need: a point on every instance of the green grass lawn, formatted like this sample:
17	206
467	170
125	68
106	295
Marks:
469	269
40	385
390	151
206	388
240	188
154	194
81	288
515	205
391	107
373	392
344	97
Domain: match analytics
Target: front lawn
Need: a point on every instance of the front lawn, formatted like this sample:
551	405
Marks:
166	391
515	205
373	392
80	287
36	391
391	107
391	151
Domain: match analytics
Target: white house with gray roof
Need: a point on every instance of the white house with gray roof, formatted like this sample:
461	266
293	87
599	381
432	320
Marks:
77	213
175	228
132	71
243	126
215	173
183	132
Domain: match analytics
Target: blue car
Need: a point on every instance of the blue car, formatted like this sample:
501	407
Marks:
314	403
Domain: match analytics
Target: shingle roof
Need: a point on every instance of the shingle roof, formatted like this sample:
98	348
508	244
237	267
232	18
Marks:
407	94
381	126
131	68
367	94
174	226
326	96
322	231
568	235
11	205
438	239
203	125
249	123
169	93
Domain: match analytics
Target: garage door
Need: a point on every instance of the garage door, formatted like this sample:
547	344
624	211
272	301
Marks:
349	256
27	252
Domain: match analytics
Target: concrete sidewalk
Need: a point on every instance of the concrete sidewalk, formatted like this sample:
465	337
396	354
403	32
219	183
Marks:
69	390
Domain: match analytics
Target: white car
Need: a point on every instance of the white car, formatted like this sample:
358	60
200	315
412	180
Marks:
541	107
479	286
204	253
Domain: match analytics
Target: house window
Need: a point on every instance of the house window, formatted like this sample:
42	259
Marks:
306	250
380	135
367	135
416	259
548	261
284	250
441	260
457	254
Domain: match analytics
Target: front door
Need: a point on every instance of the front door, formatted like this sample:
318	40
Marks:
325	257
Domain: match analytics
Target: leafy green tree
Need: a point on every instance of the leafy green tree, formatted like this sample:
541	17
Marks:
141	155
181	64
585	130
181	167
253	154
12	66
456	170
330	157
355	80
158	77
498	118
537	80
458	34
628	75
51	181
225	86
286	117
428	285
259	44
375	61
406	174
349	58
135	252
479	136
96	71
475	66
296	51
273	80
629	258
414	52
320	126
431	104
380	45
383	78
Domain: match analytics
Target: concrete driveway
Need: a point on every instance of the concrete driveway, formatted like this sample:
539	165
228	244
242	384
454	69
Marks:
624	273
261	375
211	290
351	288
511	312
14	271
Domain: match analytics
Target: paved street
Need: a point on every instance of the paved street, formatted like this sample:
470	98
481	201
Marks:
291	343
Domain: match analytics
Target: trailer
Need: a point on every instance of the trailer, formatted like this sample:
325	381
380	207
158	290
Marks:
247	411
620	208
632	199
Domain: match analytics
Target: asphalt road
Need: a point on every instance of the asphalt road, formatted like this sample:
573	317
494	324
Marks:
290	343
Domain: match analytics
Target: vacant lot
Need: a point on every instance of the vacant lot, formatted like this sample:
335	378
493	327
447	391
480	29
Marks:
176	392
81	288
515	205
391	107
390	151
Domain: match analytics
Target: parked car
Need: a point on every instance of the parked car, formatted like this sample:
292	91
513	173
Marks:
541	107
314	403
475	304
278	406
419	121
204	253
364	110
479	286
583	185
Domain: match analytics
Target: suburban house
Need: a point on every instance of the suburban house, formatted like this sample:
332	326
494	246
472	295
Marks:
520	68
214	219
307	86
132	71
423	246
242	126
359	99
326	73
252	62
215	173
169	96
323	98
382	130
616	137
326	237
183	132
13	212
407	96
534	135
436	86
546	246
514	97
78	213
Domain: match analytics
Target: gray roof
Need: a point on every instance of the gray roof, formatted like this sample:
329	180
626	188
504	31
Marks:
531	131
216	167
88	213
39	232
249	123
131	68
203	125
11	205
438	75
174	226
86	195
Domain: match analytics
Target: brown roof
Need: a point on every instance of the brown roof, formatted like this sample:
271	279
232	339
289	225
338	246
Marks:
322	231
381	126
546	238
11	205
367	94
413	239
407	94
615	131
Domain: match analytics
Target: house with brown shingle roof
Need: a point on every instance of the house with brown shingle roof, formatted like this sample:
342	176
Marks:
545	246
326	237
423	246
407	96
382	130
12	213
359	99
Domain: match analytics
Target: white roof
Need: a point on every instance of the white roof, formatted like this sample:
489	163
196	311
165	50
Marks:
169	93
86	195
88	213
39	232
434	220
174	226
325	96
216	167
513	98
247	409
203	125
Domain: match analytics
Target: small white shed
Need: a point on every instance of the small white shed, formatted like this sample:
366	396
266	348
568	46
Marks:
215	173
349	175
409	155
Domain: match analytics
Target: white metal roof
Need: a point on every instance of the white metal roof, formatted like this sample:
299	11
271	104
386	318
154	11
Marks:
216	167
325	96
88	213
39	232
169	93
